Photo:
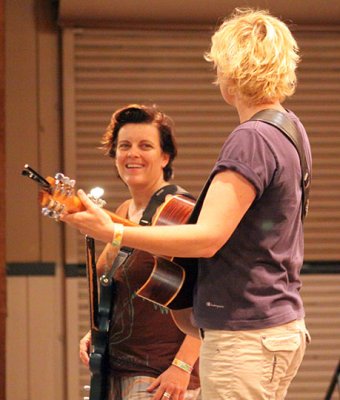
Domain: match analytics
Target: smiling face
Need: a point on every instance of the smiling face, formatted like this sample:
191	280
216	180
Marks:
139	157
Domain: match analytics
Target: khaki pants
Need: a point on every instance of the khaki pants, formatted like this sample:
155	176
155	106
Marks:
134	388
251	365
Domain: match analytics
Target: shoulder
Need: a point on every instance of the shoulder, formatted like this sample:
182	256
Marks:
122	210
183	192
248	139
170	189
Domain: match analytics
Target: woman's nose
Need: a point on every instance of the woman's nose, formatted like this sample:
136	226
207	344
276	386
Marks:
133	152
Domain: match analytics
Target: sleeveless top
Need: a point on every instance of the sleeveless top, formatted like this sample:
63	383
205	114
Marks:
143	338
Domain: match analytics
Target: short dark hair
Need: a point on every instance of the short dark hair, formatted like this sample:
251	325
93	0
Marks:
141	114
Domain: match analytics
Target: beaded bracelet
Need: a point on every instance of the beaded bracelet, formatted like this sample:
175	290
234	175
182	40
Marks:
182	365
117	235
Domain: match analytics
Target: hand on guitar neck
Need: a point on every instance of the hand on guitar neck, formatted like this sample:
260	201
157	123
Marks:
57	195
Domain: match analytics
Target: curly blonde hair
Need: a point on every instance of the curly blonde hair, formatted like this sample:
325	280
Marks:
257	54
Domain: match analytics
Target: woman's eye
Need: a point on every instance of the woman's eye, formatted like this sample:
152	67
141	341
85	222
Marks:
123	146
146	146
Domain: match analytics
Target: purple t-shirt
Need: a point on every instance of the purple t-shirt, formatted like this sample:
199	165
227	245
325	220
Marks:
253	281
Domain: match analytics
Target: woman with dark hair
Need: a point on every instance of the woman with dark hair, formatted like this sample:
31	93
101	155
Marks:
150	357
140	114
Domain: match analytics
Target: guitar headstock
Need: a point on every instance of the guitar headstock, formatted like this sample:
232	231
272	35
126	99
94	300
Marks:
57	195
61	197
54	192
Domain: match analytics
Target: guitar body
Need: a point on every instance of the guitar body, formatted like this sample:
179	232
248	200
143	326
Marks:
99	357
171	283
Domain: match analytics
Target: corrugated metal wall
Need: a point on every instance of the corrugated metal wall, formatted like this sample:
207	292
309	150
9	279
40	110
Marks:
321	297
106	69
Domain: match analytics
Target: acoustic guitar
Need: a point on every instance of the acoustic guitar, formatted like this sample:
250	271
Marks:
165	281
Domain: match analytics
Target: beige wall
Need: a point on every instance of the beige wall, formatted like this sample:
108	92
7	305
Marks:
35	339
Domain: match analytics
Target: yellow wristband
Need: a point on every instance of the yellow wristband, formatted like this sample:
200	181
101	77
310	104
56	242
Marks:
182	365
117	235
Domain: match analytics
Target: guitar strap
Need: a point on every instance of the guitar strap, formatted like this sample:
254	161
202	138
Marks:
288	128
158	198
121	257
282	122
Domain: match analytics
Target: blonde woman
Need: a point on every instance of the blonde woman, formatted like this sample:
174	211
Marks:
248	235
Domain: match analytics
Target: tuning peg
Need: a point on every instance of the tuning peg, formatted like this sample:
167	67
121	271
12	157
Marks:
96	192
47	212
64	184
59	181
53	209
66	180
50	213
59	177
69	182
95	195
68	186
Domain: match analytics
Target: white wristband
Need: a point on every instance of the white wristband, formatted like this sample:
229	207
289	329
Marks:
117	235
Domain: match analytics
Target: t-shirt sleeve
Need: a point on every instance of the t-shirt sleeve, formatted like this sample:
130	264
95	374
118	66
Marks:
247	153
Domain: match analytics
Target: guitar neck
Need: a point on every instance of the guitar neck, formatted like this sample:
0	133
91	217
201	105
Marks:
57	195
71	202
120	220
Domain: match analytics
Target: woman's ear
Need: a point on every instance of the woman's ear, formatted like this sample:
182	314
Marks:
166	159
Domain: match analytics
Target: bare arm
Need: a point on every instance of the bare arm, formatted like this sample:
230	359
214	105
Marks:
189	350
228	198
106	258
175	380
